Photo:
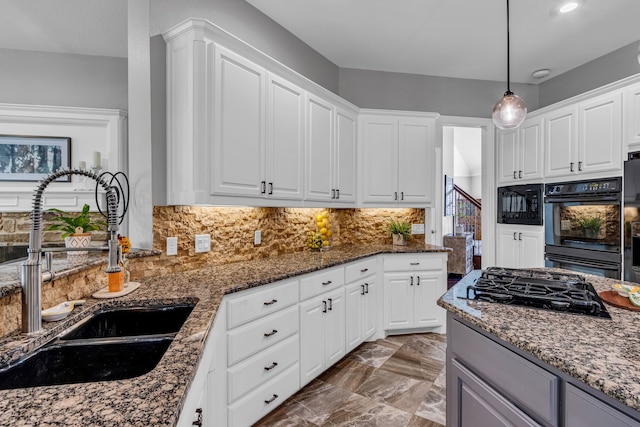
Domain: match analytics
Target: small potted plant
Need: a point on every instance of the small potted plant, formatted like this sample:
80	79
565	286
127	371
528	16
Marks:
75	229
399	231
591	225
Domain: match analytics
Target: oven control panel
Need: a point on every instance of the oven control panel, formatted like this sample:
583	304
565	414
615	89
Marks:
609	185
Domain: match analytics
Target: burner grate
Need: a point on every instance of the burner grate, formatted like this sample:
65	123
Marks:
539	289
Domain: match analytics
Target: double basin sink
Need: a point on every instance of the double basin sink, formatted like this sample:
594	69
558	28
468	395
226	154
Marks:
112	344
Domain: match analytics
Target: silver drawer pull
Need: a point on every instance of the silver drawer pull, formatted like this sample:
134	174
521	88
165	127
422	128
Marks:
366	288
328	282
275	396
415	263
273	301
273	332
273	365
364	270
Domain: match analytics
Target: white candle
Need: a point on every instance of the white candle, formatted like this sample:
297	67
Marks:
96	159
82	165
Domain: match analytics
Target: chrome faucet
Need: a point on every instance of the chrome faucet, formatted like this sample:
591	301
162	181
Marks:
32	276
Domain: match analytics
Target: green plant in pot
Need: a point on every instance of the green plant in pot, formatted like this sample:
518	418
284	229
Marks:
399	231
75	229
591	225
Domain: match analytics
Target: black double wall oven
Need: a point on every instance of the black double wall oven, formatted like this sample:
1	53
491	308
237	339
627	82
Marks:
583	226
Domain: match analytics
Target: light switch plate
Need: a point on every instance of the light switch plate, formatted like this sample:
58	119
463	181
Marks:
257	237
203	243
417	228
172	246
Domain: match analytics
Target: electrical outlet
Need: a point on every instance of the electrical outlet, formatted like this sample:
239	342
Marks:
257	237
172	246
203	243
417	228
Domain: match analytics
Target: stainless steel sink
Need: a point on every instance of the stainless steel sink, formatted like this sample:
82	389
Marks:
112	344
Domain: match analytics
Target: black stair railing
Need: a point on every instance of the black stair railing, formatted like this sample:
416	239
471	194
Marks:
468	212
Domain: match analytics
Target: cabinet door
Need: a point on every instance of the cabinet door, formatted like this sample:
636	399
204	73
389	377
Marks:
354	315
239	125
600	134
380	159
560	143
285	139
415	167
508	250
632	116
345	158
319	148
369	308
334	327
398	301
531	249
312	355
530	156
428	287
508	156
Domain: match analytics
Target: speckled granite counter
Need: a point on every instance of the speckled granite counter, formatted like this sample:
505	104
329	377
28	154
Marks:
155	399
602	353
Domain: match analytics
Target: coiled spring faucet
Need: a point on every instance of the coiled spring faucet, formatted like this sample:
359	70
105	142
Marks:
32	276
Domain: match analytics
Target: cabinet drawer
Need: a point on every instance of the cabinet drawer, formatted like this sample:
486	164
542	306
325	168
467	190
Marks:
260	334
409	263
261	302
267	364
360	270
582	409
316	283
264	399
514	376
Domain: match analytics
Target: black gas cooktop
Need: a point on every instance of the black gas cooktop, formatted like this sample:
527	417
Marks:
569	293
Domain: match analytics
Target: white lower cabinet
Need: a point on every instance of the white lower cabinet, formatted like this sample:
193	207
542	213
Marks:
412	286
322	333
520	246
361	294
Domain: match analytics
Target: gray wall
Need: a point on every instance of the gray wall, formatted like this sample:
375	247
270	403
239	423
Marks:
252	26
444	95
607	69
40	78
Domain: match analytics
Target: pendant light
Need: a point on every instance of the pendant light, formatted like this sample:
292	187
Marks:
511	110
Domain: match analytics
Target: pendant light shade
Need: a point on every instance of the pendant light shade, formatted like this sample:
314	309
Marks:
510	111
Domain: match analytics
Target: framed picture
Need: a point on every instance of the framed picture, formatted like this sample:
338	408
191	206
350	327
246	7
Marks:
32	158
448	195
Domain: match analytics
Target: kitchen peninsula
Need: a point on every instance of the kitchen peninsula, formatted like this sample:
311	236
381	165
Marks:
539	366
157	398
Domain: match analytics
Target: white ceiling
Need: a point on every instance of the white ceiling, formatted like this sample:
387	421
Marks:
456	38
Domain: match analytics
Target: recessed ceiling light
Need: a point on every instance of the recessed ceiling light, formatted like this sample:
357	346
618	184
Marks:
540	74
565	7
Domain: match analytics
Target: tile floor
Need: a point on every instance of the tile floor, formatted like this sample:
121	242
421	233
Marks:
394	382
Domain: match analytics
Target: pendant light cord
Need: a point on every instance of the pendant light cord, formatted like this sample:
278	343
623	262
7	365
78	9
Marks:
508	54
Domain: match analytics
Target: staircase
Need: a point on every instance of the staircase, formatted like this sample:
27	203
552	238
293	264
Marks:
469	215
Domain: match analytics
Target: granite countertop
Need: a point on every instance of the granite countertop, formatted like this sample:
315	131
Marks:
602	353
156	398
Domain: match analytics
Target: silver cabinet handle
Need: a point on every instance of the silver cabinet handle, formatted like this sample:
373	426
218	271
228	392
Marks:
333	193
402	195
579	166
263	187
330	303
275	396
418	284
519	236
271	188
520	174
198	422
515	235
337	193
273	332
366	287
571	164
414	263
273	301
364	270
411	282
324	306
328	282
273	365
514	175
395	195
361	289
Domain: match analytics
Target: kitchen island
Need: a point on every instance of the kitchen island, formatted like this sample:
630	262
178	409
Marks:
157	398
534	366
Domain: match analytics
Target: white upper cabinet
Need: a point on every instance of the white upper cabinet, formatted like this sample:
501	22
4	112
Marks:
397	158
519	153
584	138
632	117
331	155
